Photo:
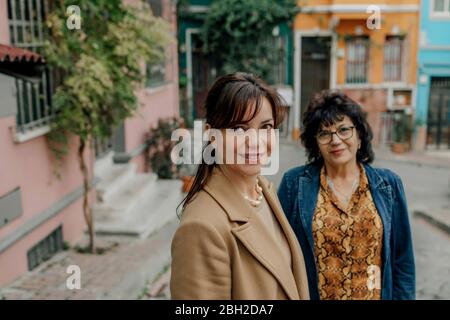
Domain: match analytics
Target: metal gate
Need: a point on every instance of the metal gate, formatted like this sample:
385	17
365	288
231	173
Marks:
438	125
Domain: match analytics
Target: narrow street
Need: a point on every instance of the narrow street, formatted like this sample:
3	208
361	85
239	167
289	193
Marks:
427	188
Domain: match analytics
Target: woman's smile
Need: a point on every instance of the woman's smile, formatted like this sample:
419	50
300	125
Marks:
337	152
253	158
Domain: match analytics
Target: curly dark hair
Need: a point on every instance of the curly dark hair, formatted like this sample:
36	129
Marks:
326	108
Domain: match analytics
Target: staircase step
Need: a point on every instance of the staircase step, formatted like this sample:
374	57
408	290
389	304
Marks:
167	209
103	164
157	209
131	194
113	180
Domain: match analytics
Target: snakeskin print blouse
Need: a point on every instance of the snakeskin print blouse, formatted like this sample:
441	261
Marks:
348	243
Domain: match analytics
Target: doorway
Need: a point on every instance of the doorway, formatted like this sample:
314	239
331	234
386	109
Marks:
314	67
438	124
203	75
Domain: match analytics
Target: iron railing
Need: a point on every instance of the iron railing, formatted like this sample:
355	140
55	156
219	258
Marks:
357	62
34	107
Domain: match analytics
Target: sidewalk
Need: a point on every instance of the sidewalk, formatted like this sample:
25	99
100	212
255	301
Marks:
431	158
438	218
125	271
438	159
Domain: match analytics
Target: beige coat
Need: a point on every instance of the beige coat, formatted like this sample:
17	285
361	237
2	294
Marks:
222	249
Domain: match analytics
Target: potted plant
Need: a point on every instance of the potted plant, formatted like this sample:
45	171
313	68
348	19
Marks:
159	150
402	133
187	174
160	146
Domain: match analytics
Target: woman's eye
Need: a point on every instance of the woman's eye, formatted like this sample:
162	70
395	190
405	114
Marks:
239	130
344	130
267	126
323	134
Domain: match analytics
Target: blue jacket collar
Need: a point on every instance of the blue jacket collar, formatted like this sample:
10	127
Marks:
312	171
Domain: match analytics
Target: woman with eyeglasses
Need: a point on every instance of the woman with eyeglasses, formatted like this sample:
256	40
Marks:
350	218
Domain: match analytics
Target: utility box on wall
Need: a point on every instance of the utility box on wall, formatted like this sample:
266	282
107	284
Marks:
10	206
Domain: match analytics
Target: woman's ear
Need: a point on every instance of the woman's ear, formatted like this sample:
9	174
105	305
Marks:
210	133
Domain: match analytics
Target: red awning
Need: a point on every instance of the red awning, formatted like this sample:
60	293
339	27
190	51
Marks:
11	54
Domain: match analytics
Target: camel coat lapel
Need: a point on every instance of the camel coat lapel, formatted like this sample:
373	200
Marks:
256	238
298	262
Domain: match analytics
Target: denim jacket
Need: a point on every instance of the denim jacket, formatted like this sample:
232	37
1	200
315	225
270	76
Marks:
298	193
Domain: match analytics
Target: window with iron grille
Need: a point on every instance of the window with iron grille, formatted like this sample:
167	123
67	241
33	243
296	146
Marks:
357	59
393	54
26	28
45	249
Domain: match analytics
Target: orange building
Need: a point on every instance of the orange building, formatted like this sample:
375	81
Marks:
366	49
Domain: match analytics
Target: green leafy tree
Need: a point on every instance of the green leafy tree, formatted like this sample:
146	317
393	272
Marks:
238	33
101	66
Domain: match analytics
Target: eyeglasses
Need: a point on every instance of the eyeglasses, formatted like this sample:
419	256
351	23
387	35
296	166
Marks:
344	133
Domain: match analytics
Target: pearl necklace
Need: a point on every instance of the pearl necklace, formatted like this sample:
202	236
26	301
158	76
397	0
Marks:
346	197
255	202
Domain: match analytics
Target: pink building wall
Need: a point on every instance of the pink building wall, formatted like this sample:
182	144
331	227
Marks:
29	165
4	32
158	102
13	261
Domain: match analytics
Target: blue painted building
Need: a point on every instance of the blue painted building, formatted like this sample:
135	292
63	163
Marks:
433	76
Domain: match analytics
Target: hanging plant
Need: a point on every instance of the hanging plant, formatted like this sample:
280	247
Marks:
238	33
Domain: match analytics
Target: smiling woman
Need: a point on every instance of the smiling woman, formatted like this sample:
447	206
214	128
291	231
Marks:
351	219
234	241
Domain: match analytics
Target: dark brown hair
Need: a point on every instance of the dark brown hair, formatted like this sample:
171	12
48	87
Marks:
227	105
326	108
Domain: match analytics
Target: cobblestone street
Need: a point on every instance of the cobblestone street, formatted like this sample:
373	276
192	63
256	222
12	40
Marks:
432	250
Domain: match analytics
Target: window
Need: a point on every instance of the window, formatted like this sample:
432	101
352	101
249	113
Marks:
440	8
161	72
439	5
278	74
26	19
393	54
45	249
157	7
156	74
357	59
